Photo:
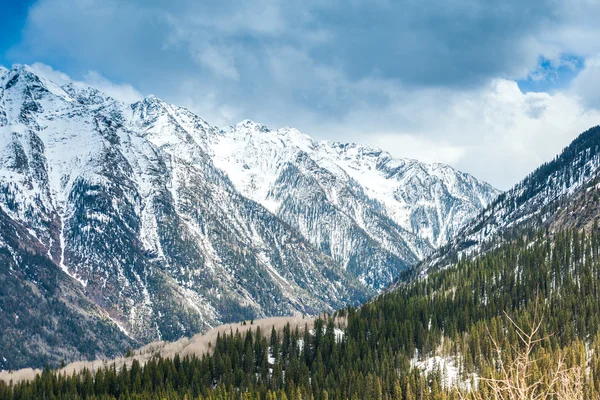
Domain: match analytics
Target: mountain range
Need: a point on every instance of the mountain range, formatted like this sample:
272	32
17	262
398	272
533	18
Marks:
150	224
122	224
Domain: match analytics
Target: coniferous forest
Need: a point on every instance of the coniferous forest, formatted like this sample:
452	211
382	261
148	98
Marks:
477	315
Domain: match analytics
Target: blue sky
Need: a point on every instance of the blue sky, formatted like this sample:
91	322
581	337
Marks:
552	75
12	20
493	87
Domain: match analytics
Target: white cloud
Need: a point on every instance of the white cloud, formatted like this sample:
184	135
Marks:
587	83
220	60
496	133
46	71
123	92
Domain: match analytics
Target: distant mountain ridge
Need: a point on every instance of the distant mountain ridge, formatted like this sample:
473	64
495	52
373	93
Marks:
168	225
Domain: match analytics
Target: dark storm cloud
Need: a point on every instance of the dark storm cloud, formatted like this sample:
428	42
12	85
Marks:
434	43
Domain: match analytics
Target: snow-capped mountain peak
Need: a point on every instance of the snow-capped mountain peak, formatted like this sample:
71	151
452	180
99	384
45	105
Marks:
24	76
249	126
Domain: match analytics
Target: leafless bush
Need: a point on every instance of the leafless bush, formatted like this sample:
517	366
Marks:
520	373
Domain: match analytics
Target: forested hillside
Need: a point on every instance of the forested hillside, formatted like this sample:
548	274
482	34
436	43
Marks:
456	314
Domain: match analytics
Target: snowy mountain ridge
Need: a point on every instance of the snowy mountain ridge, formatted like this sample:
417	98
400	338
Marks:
410	192
170	225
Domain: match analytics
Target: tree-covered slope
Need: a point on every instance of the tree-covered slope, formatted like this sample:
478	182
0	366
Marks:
533	203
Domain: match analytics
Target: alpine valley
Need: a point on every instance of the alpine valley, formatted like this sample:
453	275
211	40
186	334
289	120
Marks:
122	224
507	309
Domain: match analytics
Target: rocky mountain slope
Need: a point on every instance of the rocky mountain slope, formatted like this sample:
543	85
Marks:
45	316
167	226
372	213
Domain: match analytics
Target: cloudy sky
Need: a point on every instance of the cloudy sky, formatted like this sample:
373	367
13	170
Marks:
492	87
